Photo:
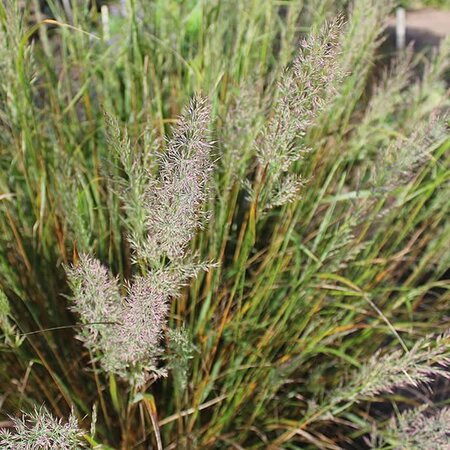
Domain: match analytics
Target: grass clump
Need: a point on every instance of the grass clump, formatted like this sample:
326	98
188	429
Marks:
220	227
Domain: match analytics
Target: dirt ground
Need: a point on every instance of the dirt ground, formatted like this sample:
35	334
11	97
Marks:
431	20
425	28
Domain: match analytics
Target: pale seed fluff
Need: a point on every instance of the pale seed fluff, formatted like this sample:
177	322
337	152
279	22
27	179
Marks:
405	156
301	97
174	200
39	430
144	317
384	373
427	359
418	428
123	333
97	301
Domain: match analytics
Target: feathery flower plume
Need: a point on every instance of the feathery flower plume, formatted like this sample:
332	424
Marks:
144	319
131	184
415	429
97	300
144	316
175	200
181	351
39	430
387	97
303	90
123	334
385	373
363	34
400	162
239	129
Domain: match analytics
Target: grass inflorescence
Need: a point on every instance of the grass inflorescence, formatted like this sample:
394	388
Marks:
222	225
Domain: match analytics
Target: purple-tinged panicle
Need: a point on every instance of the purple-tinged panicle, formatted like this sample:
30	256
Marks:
123	334
385	373
174	202
302	92
418	428
39	430
97	300
145	316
